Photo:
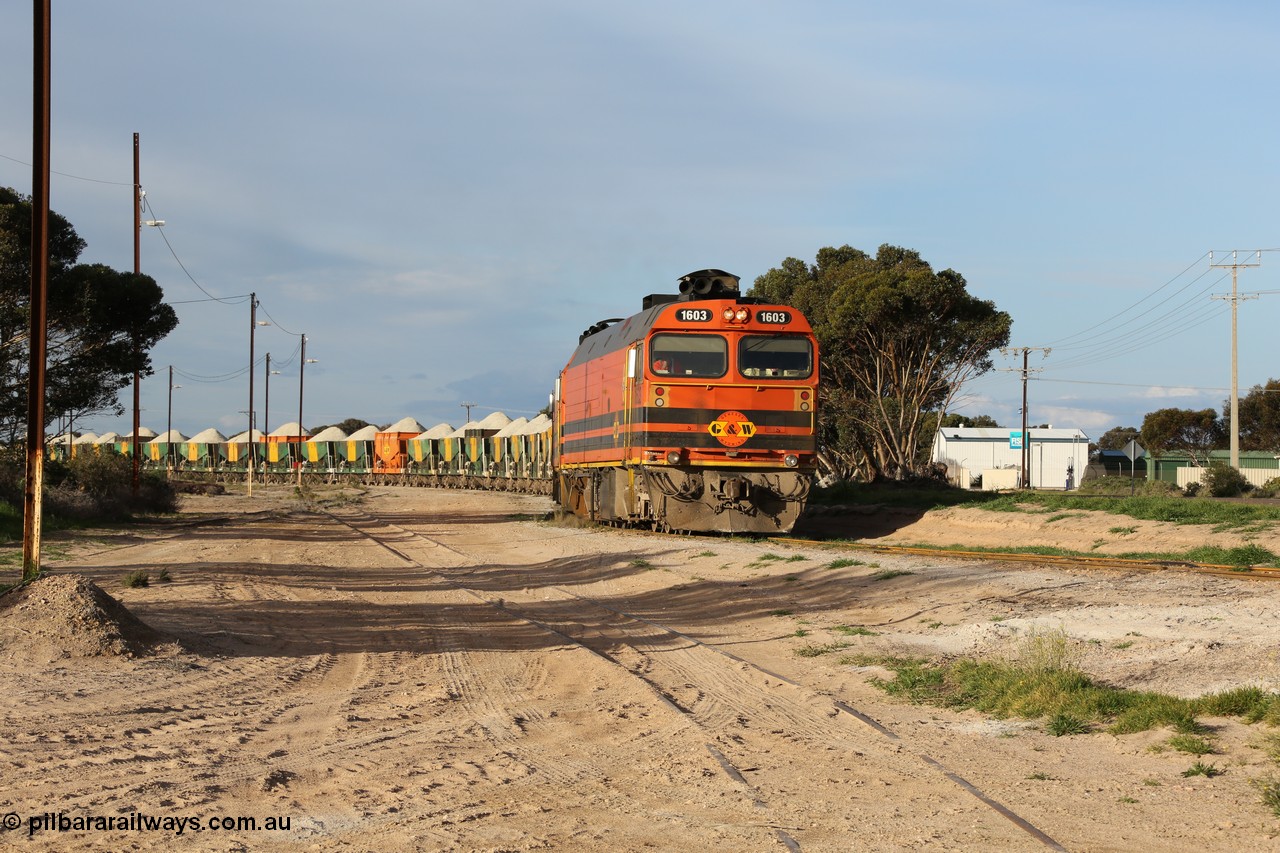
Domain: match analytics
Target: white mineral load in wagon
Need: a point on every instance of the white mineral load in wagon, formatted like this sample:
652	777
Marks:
208	436
404	425
330	434
87	438
495	420
539	424
290	430
516	427
437	431
366	433
243	438
461	431
170	437
107	438
144	434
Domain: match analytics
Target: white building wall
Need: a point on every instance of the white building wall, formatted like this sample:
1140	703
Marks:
985	449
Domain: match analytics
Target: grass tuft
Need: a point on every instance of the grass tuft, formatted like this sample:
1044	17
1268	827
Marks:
854	631
1202	769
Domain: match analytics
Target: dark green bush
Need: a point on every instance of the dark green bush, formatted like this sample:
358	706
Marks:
90	487
1223	481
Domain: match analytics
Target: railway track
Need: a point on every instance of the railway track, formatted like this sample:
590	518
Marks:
741	708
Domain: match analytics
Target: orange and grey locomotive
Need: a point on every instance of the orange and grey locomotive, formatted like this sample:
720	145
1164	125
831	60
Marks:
697	413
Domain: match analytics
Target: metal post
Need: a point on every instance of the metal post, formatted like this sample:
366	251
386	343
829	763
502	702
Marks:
266	397
168	448
1025	457
253	325
302	368
137	270
33	486
1235	298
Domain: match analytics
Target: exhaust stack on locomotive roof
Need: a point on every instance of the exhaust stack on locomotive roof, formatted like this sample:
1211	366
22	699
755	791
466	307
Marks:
710	284
702	284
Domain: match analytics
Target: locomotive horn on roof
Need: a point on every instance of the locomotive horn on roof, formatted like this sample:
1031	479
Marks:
709	284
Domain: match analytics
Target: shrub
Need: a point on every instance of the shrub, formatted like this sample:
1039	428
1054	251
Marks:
1269	489
1123	485
1223	481
137	578
95	486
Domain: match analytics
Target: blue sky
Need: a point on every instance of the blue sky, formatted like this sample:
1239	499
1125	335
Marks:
443	195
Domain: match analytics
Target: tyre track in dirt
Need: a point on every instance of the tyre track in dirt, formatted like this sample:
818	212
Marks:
758	721
278	711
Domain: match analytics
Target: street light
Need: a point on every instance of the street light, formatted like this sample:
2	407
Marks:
266	403
302	367
254	323
168	432
139	194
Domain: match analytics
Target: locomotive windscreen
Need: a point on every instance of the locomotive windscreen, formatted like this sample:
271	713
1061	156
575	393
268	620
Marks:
787	356
703	356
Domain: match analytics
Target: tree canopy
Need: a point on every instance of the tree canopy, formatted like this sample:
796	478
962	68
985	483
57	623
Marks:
102	323
1259	417
1190	431
1117	437
951	419
897	341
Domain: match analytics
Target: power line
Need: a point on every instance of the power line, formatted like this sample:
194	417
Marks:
1061	342
1128	384
226	301
73	177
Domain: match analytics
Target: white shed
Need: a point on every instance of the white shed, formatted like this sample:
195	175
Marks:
1058	456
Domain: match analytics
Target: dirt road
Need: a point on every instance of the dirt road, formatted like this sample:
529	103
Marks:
426	670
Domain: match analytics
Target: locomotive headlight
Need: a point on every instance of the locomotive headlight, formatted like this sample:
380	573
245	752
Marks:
791	460
728	315
742	315
659	401
673	457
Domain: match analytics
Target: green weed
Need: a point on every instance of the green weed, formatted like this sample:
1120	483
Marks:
1202	769
1191	744
854	631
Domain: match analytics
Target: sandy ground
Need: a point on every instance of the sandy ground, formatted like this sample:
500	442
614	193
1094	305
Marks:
429	670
